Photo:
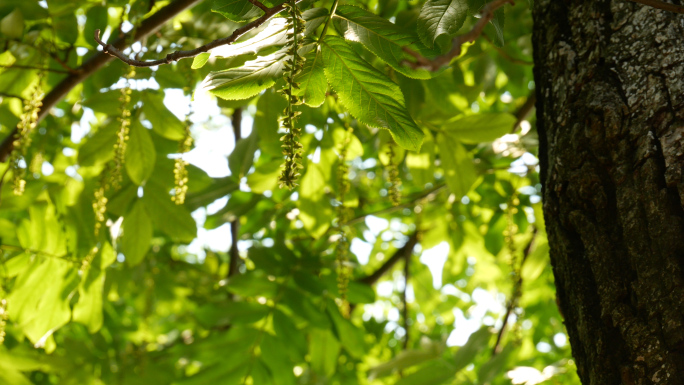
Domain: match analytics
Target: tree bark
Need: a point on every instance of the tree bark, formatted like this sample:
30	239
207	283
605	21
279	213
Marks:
610	114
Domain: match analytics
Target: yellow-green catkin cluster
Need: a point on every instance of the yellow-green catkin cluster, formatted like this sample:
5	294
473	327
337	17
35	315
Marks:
292	149
22	139
180	171
342	247
3	319
122	133
100	207
393	177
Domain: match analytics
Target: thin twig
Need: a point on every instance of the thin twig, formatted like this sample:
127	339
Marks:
398	256
6	95
109	49
661	5
404	301
391	209
234	253
97	61
258	4
524	110
457	43
505	54
333	9
517	288
26	67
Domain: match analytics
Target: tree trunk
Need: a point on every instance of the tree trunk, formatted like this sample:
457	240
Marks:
610	114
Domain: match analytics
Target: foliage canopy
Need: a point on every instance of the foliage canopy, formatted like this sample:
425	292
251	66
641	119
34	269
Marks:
413	232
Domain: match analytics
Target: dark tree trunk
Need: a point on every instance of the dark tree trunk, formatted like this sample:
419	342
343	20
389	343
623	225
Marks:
610	115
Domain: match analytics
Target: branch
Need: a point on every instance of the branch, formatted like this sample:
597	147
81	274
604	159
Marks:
516	295
175	56
258	4
410	203
97	61
234	253
400	254
505	54
6	95
440	61
25	67
661	5
404	301
524	110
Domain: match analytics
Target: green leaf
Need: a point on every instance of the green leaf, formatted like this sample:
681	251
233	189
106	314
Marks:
265	177
246	81
40	298
274	34
99	148
269	106
324	350
220	188
252	284
137	234
231	313
12	25
434	373
242	157
10	375
466	354
315	210
163	121
368	94
459	170
498	23
314	17
496	366
441	17
172	219
312	84
43	232
140	154
405	359
88	309
480	128
236	10
200	60
379	36
350	336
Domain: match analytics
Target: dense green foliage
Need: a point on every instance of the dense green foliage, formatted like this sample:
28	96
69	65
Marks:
100	283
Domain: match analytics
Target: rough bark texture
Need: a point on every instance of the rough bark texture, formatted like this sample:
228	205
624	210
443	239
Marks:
610	114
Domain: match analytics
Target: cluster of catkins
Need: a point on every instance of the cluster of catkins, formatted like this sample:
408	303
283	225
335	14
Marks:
22	139
180	171
292	149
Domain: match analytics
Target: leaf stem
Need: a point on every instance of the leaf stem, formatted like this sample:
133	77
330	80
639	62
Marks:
327	21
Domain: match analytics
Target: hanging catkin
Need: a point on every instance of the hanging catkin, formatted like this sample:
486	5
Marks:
22	139
393	177
292	149
180	171
122	133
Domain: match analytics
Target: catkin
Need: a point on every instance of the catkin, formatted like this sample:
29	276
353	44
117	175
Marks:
393	177
122	133
180	171
292	148
22	139
3	319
